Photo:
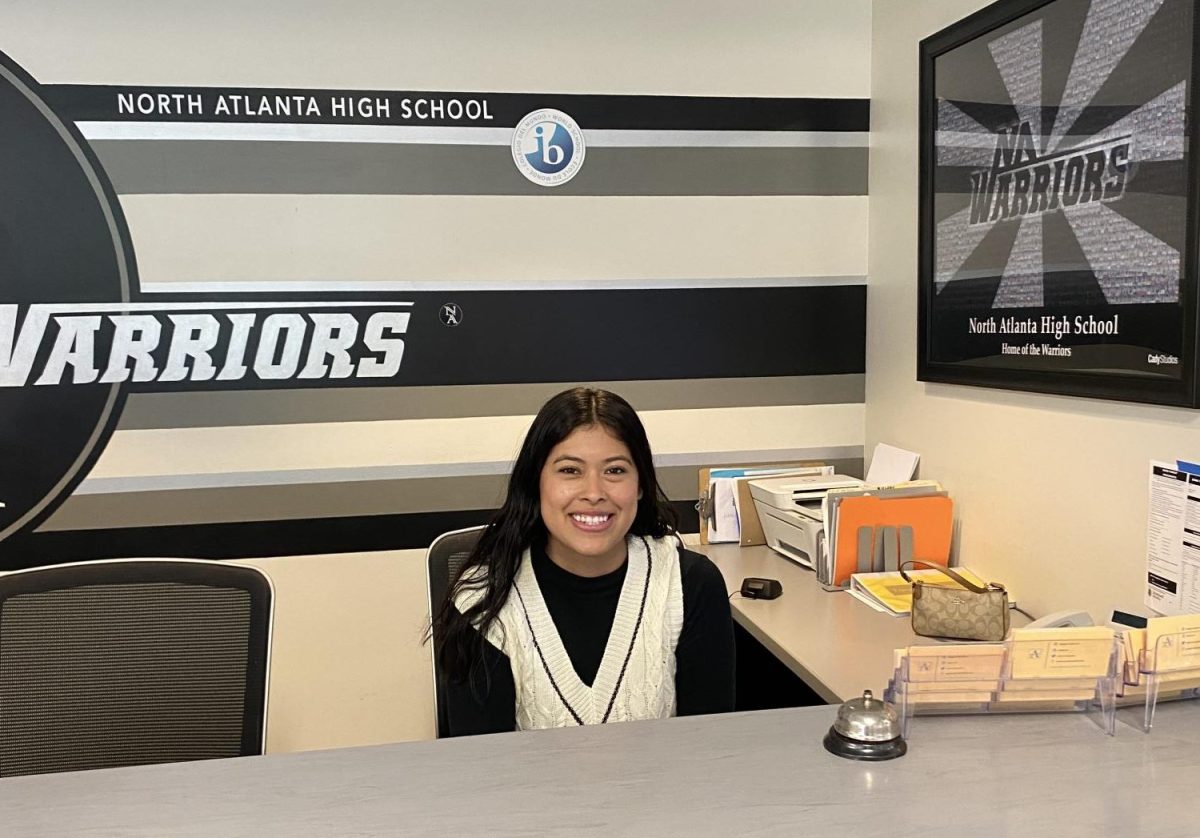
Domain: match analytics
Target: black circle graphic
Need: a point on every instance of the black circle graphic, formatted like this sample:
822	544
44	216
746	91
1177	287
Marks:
63	246
451	314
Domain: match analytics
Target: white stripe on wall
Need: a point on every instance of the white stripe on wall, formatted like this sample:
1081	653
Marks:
389	238
427	135
341	286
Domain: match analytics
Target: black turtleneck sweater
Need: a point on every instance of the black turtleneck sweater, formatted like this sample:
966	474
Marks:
583	609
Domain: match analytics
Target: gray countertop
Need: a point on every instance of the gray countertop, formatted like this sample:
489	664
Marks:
762	773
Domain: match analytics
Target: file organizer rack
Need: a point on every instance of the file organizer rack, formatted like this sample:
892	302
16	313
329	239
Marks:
923	683
1170	671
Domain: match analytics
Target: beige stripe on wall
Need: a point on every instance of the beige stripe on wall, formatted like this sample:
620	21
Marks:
772	48
380	238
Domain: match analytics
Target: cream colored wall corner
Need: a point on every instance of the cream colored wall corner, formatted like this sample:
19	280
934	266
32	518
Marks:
347	663
1051	491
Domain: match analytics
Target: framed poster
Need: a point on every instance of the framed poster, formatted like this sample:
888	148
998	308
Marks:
1058	192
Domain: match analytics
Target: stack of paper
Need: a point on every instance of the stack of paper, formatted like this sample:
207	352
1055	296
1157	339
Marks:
1057	664
951	675
1036	670
1173	644
1169	647
888	593
890	465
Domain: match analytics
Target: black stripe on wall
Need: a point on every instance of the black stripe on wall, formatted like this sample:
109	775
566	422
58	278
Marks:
256	540
529	336
664	113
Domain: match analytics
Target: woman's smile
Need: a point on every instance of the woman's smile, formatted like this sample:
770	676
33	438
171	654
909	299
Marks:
592	523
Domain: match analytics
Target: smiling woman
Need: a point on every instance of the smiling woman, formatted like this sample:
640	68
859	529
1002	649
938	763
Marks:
579	605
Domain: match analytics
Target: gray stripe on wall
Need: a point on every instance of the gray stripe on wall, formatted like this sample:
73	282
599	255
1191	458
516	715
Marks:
294	168
239	504
823	454
390	474
280	407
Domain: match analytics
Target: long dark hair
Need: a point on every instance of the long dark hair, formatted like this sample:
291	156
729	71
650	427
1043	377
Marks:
517	525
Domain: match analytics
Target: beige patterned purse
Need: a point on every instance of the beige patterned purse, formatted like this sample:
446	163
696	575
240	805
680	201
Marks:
967	613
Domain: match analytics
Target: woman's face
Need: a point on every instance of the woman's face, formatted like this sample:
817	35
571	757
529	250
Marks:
589	495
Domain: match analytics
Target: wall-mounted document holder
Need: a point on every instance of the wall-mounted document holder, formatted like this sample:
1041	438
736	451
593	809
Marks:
1039	671
1166	668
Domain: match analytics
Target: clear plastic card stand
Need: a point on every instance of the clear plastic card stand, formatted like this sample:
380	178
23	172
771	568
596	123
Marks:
1170	671
1008	677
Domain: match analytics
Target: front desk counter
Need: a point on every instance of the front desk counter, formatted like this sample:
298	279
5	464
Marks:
763	774
833	642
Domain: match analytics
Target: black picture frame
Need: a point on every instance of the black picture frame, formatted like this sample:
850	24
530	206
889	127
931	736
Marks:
945	325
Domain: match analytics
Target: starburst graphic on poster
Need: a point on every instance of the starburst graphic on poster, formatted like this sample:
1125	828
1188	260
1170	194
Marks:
1076	160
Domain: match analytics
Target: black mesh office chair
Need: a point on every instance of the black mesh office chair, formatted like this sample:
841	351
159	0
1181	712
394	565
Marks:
129	662
447	554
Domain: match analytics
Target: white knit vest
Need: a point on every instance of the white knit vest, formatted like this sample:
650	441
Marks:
636	678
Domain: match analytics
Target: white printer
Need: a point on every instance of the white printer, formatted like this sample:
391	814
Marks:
789	509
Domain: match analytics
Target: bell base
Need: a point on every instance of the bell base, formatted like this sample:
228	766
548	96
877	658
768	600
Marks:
843	746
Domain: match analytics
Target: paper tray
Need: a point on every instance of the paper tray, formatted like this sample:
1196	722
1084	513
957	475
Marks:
980	678
1169	671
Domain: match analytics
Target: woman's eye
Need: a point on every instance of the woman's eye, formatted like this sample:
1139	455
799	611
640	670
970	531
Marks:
617	470
568	470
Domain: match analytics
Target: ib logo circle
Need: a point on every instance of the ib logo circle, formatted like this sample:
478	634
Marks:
548	147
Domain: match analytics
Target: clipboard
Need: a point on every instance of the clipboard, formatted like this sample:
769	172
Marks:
931	518
751	528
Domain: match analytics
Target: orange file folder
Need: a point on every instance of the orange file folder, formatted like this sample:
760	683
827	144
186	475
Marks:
931	519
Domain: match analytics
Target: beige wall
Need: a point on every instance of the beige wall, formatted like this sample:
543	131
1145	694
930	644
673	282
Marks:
1051	491
703	47
347	663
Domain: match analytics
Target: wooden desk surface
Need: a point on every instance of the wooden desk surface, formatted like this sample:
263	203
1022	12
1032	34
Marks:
835	643
762	774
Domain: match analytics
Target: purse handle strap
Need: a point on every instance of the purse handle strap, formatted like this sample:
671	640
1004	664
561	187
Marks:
957	577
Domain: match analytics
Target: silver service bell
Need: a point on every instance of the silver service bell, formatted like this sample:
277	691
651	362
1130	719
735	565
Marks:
866	728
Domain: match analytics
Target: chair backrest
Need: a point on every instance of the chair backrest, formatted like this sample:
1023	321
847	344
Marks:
446	556
132	661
